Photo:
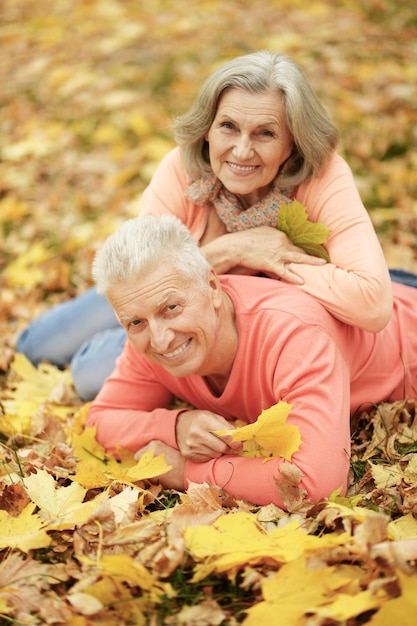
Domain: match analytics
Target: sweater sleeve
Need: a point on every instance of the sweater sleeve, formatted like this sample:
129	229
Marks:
132	408
315	381
165	195
355	286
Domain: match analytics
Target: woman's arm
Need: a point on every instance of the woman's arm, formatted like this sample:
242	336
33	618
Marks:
355	286
262	249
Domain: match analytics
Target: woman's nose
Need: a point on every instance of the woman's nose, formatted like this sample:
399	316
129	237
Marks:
243	147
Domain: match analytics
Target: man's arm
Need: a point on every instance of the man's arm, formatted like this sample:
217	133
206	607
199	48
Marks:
305	368
311	374
316	383
133	408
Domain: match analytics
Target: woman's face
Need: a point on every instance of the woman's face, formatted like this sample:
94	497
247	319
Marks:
248	142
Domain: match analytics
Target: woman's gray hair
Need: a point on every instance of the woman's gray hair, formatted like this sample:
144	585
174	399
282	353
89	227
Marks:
142	243
314	134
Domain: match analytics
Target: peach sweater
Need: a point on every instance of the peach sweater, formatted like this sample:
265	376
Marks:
355	287
290	348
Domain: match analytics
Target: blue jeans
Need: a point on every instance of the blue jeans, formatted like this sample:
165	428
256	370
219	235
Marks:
85	334
403	277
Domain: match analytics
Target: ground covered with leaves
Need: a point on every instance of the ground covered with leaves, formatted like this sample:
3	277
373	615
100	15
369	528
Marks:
88	89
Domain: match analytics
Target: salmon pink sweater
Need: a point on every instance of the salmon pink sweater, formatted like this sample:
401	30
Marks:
290	348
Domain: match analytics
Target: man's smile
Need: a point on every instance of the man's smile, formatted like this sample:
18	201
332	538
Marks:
177	351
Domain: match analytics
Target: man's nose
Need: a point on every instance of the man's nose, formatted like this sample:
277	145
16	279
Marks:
160	336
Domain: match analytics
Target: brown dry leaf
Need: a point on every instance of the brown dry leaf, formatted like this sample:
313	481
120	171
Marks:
400	554
199	506
206	613
294	497
13	499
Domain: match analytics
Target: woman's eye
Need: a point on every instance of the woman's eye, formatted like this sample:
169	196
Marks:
227	125
266	133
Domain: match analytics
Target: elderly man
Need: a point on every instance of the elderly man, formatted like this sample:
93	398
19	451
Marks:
232	346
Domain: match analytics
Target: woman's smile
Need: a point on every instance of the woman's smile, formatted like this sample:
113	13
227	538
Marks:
242	169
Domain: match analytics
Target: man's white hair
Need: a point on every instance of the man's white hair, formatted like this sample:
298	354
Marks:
142	243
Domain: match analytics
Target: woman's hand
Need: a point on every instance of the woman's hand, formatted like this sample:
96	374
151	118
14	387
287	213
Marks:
196	439
262	249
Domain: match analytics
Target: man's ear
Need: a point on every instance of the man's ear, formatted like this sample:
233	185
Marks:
215	287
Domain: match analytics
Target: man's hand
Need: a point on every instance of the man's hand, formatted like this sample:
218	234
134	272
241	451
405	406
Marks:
174	479
196	439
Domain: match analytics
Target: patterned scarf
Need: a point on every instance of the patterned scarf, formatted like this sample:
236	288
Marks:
209	191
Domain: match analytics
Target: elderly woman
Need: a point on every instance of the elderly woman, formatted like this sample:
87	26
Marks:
256	138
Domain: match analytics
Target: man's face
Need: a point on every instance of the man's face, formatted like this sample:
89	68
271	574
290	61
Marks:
169	319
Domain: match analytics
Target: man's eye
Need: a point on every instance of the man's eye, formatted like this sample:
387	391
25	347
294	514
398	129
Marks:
134	324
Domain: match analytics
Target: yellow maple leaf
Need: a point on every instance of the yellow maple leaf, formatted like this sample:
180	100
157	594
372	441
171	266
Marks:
269	436
296	590
123	568
62	504
25	532
148	466
38	382
349	502
224	545
401	610
346	606
404	527
310	236
109	590
96	468
87	448
386	476
27	394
